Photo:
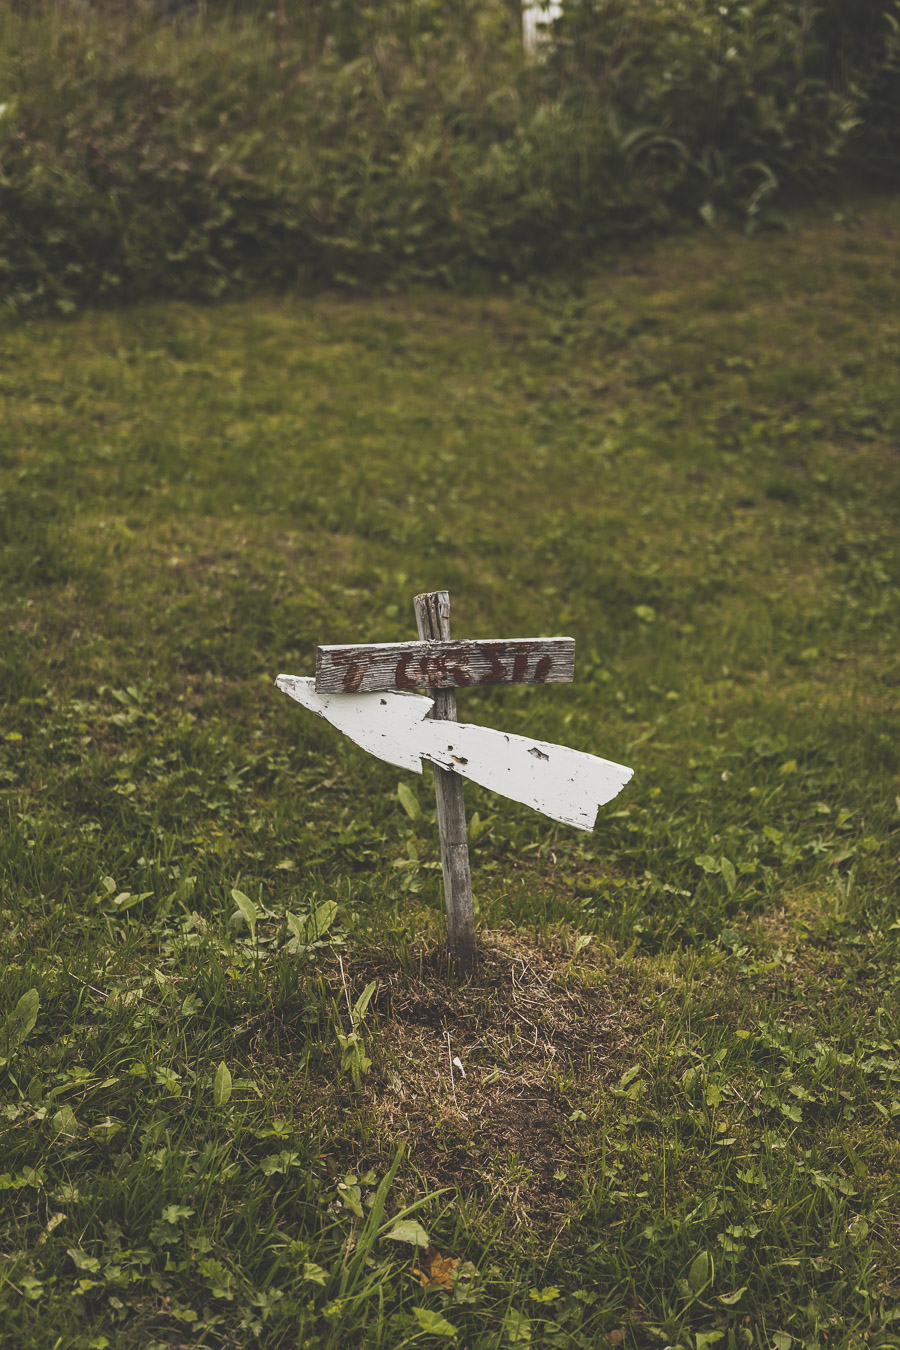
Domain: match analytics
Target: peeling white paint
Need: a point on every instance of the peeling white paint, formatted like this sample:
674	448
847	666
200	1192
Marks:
566	785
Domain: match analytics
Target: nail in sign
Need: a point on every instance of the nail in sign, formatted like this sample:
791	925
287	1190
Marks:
365	691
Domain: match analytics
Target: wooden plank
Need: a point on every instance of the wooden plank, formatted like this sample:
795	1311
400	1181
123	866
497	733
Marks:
433	624
442	664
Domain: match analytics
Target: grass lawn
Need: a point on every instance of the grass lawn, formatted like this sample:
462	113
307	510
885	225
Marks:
226	1122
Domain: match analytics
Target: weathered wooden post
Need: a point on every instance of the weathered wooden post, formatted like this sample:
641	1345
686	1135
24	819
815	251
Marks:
433	624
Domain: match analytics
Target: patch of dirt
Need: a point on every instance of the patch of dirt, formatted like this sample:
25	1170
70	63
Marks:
538	1034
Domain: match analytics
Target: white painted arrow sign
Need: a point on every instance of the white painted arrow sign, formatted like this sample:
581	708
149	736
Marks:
564	784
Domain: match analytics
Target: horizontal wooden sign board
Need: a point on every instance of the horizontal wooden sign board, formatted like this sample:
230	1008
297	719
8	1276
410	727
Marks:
371	669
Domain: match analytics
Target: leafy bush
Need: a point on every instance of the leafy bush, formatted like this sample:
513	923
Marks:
327	142
742	99
862	43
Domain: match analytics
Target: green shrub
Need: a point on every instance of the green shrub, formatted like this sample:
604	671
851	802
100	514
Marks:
742	99
862	41
327	142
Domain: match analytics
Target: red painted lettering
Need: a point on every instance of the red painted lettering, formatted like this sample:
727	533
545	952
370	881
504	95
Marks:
353	676
497	672
402	679
520	667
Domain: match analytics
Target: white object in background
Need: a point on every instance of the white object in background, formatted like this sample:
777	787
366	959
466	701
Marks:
566	785
535	18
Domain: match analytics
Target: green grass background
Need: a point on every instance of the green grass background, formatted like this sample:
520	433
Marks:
690	463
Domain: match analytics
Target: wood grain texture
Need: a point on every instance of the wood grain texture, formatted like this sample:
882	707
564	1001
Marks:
433	624
441	664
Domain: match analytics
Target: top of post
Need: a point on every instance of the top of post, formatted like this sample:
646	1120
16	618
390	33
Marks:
433	616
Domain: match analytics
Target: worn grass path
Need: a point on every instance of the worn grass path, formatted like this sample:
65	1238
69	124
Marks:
679	1118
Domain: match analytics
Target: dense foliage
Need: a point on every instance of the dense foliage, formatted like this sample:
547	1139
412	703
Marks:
202	150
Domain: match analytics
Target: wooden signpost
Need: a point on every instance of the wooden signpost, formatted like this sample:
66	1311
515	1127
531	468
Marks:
366	692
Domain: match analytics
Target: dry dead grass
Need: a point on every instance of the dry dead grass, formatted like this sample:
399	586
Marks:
539	1033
